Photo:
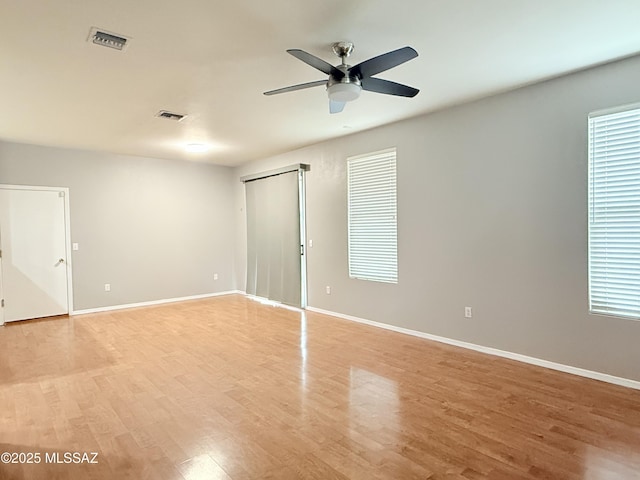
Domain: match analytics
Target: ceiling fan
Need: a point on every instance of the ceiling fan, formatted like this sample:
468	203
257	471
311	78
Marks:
346	82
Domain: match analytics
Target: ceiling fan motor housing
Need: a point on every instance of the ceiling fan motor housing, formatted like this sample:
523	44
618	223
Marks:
346	89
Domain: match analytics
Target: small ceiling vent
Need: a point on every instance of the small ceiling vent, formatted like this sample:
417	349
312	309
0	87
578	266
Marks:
108	39
170	115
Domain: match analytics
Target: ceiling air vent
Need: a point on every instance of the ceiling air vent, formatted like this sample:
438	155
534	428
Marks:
170	115
108	39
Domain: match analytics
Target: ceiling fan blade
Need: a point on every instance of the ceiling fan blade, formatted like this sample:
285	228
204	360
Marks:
383	62
336	107
379	85
316	62
293	88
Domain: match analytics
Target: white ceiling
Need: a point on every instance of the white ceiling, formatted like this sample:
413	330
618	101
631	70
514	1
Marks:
212	60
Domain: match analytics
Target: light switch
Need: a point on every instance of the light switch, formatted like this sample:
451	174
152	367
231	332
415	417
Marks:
74	246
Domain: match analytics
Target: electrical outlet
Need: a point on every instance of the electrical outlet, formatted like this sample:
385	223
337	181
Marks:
328	290
215	276
468	313
107	287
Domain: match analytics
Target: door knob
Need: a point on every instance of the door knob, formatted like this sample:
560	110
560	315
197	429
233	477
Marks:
59	262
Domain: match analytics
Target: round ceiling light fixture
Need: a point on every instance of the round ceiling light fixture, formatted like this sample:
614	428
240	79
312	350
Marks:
197	147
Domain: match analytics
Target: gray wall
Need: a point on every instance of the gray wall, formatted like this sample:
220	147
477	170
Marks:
492	214
154	229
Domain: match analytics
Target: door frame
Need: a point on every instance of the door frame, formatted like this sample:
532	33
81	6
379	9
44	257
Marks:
67	232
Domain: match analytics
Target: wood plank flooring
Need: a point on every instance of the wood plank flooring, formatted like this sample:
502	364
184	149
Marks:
230	389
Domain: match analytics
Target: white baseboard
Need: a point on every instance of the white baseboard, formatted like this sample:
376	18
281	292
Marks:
152	302
604	377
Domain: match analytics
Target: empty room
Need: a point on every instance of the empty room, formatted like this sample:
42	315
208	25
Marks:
322	240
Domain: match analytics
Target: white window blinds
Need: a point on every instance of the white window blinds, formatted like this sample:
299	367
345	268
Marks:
372	211
614	213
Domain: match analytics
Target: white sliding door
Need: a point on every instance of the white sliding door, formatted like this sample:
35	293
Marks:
275	239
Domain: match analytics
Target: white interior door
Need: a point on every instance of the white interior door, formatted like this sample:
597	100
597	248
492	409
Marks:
33	236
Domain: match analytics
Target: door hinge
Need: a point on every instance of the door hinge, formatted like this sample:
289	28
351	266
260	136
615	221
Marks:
2	303
301	249
61	194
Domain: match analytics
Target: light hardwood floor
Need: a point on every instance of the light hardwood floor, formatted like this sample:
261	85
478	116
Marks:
227	388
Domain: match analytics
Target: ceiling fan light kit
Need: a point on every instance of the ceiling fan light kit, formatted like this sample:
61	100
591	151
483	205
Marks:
345	82
344	92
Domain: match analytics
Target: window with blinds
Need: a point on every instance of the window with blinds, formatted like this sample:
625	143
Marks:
614	212
372	208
